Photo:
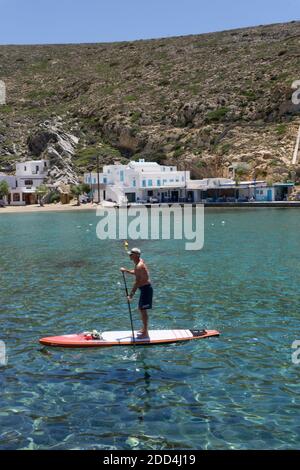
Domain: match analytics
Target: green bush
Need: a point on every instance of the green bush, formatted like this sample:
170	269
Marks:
129	98
88	156
54	197
281	129
225	149
250	94
40	65
5	108
4	189
40	94
201	164
217	114
135	116
178	151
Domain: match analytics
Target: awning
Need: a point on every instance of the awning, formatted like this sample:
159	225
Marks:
28	191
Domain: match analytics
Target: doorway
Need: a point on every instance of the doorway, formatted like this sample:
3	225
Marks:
174	196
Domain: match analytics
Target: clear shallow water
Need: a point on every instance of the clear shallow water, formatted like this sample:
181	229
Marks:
238	391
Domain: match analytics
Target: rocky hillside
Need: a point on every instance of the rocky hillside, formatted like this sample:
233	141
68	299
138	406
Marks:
203	101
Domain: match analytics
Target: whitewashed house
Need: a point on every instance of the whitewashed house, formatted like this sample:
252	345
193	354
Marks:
139	182
227	190
29	175
144	182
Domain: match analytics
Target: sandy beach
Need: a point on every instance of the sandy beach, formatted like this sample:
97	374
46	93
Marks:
47	208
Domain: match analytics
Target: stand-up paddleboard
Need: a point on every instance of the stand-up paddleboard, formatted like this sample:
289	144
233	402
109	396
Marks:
125	338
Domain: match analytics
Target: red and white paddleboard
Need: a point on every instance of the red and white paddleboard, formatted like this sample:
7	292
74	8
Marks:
124	338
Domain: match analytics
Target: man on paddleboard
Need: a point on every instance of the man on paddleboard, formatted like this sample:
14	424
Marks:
142	282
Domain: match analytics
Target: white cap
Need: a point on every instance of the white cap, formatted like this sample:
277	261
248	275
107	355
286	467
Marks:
134	251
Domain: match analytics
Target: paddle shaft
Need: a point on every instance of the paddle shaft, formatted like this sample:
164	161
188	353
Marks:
129	306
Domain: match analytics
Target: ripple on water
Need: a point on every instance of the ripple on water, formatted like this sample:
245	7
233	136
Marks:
233	392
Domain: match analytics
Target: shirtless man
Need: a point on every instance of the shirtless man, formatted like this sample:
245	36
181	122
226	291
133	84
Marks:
142	282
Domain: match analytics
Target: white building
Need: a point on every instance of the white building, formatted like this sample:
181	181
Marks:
29	175
139	182
226	190
142	182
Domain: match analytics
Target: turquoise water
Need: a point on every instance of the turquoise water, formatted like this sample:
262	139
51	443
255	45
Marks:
238	391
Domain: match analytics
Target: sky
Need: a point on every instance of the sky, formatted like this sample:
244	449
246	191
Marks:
82	21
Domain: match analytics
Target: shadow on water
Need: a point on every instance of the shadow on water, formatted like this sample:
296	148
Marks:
72	264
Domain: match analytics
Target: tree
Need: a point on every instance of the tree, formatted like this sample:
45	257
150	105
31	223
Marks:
238	173
78	190
41	192
86	189
240	169
4	189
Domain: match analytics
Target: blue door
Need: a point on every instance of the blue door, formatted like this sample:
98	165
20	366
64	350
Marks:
269	195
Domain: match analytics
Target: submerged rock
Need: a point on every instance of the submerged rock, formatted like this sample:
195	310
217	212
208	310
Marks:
71	264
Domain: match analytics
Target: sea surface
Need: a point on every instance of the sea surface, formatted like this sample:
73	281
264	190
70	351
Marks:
238	391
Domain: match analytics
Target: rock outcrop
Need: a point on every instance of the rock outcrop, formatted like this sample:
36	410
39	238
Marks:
210	100
51	142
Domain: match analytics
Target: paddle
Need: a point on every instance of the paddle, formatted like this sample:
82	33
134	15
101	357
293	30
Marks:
129	307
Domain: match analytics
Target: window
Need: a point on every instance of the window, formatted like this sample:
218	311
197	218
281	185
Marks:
25	168
16	197
104	180
149	182
121	175
158	182
134	183
28	182
45	164
37	168
144	183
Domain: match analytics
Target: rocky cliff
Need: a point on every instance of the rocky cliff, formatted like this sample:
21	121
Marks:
204	101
